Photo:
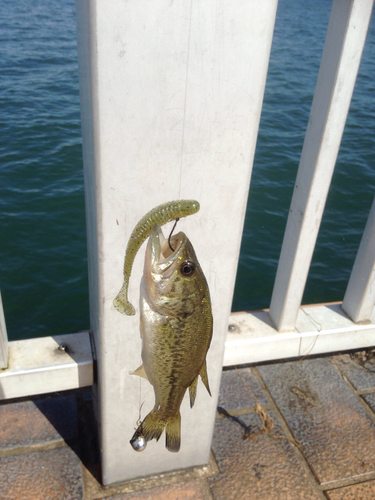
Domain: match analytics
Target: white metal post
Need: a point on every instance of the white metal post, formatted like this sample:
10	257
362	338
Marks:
3	338
342	53
171	96
360	294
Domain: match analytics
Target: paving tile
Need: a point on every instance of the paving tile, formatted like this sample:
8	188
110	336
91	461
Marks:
336	434
161	484
36	422
362	377
361	491
265	467
370	400
193	490
234	392
46	475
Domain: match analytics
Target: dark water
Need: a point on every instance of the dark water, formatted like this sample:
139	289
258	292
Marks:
295	57
43	267
43	273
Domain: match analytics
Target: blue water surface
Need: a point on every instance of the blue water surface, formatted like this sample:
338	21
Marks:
294	64
43	264
43	236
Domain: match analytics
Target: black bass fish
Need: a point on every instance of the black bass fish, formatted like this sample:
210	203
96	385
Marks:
159	215
176	330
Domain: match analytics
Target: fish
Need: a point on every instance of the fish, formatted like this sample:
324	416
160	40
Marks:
161	214
176	330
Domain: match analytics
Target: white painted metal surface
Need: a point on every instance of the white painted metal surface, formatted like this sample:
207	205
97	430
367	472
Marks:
171	98
38	366
319	329
359	298
3	338
338	70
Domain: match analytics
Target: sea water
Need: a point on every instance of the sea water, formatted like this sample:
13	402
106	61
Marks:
43	263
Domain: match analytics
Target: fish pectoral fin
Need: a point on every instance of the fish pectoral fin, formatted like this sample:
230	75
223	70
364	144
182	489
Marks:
204	377
193	391
140	371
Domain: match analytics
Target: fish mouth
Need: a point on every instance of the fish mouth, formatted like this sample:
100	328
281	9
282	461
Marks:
160	254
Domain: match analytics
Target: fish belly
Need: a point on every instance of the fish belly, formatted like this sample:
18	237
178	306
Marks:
173	354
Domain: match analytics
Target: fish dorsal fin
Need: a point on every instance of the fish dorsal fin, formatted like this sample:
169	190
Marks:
140	371
193	391
204	377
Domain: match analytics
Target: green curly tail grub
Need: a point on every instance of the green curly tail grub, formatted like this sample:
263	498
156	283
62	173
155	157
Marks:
160	215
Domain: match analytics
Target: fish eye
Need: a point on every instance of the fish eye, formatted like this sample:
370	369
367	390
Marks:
187	268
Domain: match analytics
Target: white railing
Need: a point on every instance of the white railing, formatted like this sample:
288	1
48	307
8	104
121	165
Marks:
171	99
345	39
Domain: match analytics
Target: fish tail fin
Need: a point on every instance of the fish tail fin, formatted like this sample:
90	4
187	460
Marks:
153	426
173	433
204	377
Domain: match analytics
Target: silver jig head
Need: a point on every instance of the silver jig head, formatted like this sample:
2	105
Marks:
138	443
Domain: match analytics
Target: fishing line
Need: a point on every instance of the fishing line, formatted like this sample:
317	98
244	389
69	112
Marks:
141	403
139	421
169	238
318	327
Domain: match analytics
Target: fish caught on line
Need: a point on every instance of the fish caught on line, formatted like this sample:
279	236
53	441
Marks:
176	320
176	329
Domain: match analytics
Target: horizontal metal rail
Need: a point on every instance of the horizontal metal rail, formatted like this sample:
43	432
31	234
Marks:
47	364
320	329
64	362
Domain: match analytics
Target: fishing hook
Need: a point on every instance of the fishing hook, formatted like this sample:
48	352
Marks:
173	228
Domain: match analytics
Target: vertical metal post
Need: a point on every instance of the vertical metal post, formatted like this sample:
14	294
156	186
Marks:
3	338
342	53
360	294
171	96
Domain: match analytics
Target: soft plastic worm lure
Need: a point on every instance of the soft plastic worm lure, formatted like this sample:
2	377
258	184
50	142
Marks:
160	215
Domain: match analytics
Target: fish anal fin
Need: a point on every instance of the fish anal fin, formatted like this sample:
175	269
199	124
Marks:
204	377
193	391
152	426
140	371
